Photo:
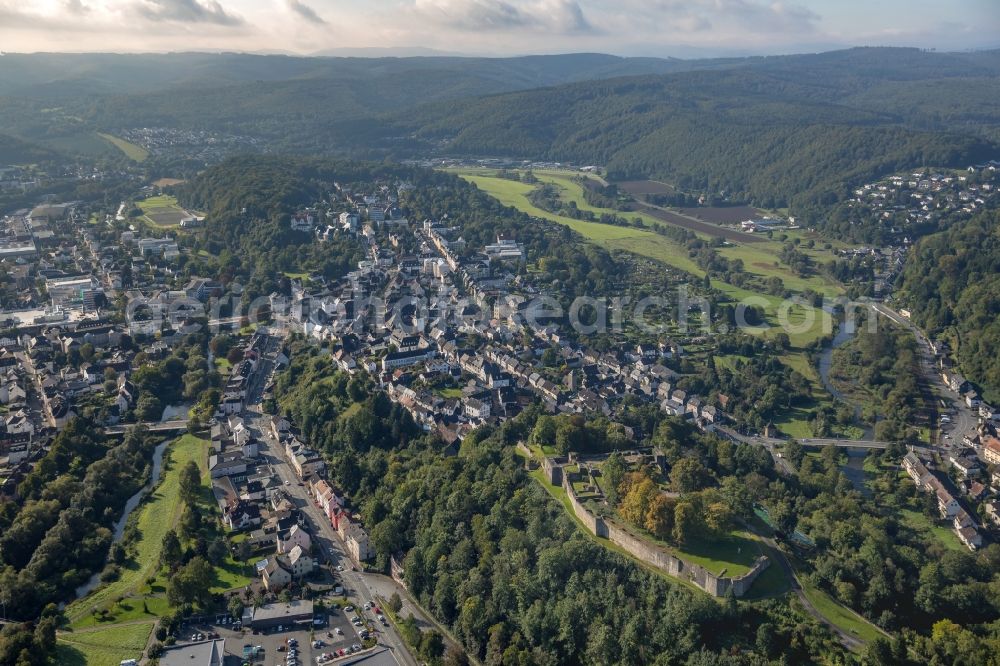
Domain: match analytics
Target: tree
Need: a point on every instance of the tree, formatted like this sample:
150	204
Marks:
170	551
148	407
765	639
395	603
688	475
217	551
190	482
385	538
718	516
660	516
635	504
686	522
431	645
235	607
244	551
544	432
454	656
612	473
878	652
191	583
190	521
87	351
737	496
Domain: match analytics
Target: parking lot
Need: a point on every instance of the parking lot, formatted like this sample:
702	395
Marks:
338	634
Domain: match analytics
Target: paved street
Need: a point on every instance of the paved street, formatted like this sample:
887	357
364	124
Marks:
326	537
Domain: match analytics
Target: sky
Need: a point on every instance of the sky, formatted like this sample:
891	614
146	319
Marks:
680	28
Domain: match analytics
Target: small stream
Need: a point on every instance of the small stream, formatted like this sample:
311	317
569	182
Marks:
130	506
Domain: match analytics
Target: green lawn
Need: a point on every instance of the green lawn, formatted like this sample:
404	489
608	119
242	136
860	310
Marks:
919	522
839	615
772	582
449	392
734	553
131	150
103	647
353	409
157	514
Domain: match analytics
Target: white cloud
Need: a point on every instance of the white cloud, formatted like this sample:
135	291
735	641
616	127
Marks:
561	16
187	11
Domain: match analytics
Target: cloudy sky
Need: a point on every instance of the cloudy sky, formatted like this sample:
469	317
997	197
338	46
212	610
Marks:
497	27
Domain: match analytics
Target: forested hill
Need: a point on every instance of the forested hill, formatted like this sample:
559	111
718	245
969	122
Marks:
799	129
62	75
795	130
17	151
951	283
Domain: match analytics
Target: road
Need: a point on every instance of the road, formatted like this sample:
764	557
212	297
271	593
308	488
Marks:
329	542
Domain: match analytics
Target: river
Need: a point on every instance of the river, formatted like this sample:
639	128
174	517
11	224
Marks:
845	333
854	469
130	506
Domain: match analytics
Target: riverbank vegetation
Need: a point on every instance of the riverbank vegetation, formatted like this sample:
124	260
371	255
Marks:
880	369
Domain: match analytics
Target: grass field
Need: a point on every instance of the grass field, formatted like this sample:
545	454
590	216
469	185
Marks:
162	211
103	647
158	513
131	150
843	617
921	523
733	554
759	257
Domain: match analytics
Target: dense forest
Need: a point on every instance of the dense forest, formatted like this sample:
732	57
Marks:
517	582
742	133
951	284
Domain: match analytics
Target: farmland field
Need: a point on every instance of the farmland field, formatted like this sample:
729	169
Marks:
640	187
722	214
167	182
162	211
698	226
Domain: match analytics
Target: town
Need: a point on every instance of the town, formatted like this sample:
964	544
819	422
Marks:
452	333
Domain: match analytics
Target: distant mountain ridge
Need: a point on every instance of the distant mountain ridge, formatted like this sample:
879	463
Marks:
773	130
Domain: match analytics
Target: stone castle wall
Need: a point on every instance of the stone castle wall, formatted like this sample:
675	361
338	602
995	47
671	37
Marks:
659	557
